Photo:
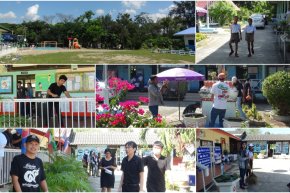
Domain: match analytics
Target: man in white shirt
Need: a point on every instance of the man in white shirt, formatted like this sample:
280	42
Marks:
250	30
236	36
220	94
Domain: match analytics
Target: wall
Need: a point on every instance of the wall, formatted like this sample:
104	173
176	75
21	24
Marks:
211	135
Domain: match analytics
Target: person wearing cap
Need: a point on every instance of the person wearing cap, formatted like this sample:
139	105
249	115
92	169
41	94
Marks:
220	94
132	179
251	159
239	87
27	170
54	91
107	166
157	165
155	94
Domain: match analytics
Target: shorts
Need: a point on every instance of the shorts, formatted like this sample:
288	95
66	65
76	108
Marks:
250	37
235	38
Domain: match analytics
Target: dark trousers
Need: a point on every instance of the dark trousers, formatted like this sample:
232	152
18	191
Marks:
249	170
130	188
242	177
22	109
217	113
54	109
154	110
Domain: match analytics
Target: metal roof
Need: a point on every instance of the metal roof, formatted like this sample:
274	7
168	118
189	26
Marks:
189	31
268	137
111	137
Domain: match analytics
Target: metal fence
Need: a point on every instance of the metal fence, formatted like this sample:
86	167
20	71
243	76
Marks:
48	113
5	163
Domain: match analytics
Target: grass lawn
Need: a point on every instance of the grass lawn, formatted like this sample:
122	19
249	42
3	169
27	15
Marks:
89	56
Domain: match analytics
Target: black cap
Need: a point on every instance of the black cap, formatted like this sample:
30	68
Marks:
31	138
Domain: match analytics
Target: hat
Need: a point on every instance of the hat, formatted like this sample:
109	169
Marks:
32	138
221	76
251	145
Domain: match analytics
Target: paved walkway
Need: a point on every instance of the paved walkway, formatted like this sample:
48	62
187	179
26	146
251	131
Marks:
215	50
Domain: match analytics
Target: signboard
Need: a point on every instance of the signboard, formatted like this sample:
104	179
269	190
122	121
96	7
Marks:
203	156
79	81
43	81
6	86
217	154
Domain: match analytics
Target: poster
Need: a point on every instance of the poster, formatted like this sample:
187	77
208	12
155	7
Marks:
203	156
6	86
43	81
87	149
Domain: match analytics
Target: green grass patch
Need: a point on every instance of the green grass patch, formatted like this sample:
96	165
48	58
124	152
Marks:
101	57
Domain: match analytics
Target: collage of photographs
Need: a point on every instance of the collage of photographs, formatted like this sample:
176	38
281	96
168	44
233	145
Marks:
145	96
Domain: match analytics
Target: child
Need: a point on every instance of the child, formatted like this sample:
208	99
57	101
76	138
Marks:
250	30
236	36
27	170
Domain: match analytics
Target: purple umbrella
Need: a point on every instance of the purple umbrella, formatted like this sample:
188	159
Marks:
179	74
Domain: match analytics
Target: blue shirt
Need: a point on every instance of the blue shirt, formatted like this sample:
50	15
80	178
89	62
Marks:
235	28
250	29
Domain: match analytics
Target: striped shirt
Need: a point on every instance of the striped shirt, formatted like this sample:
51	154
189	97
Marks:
250	29
235	28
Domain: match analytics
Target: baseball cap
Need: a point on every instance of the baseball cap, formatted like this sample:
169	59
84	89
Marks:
251	145
31	138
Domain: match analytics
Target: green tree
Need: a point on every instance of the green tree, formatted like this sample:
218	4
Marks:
222	12
184	11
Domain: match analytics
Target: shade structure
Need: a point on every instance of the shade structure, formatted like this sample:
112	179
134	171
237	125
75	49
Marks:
201	10
179	74
186	32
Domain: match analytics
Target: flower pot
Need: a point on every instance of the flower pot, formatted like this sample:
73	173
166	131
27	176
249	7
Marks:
228	186
194	120
256	123
233	122
280	118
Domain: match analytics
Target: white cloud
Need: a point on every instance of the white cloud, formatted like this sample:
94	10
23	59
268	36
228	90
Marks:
130	11
167	9
100	12
32	13
134	4
156	16
8	15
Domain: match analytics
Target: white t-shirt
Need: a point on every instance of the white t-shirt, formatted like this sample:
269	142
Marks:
250	154
250	29
235	28
220	90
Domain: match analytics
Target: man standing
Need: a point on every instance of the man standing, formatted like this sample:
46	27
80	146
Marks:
220	94
21	95
239	87
29	94
155	94
157	166
133	170
54	91
27	170
236	36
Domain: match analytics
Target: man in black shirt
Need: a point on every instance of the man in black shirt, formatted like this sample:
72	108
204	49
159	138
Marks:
21	95
54	91
157	166
133	170
27	170
9	138
17	140
239	87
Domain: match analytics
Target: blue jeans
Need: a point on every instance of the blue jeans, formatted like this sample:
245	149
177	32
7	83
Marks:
154	110
217	113
239	107
242	177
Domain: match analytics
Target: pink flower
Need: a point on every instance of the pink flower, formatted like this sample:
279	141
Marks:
129	105
99	98
141	111
144	99
118	84
105	106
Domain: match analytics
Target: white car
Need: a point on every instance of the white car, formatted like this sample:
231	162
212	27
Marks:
258	20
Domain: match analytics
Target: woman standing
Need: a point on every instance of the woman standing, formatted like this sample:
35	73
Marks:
107	166
243	163
251	158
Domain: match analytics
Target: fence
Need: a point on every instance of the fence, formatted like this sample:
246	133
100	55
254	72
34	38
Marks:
5	163
48	113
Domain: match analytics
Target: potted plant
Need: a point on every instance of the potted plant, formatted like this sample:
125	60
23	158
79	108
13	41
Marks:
255	118
276	89
227	182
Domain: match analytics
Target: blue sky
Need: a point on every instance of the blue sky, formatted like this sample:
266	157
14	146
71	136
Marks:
17	11
271	130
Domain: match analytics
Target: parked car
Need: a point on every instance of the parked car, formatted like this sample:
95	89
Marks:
258	20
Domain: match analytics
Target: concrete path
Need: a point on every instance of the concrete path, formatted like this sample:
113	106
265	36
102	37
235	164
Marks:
216	50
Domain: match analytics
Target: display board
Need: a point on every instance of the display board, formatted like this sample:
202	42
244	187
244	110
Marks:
203	156
6	86
43	81
217	154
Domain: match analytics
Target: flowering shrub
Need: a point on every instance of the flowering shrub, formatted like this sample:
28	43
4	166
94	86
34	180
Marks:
124	114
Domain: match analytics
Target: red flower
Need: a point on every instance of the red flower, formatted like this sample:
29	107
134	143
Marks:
141	111
144	99
99	98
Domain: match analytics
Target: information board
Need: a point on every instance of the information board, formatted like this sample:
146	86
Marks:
217	154
203	156
43	81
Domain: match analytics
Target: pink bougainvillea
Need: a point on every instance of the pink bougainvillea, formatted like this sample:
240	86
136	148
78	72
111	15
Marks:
144	99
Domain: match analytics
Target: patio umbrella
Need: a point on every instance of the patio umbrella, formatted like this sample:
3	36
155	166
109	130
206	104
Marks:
201	10
179	74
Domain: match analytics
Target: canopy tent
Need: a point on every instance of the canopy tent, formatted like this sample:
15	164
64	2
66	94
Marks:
179	74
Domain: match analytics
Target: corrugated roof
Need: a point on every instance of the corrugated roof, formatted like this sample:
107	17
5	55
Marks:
269	137
110	137
226	133
189	31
